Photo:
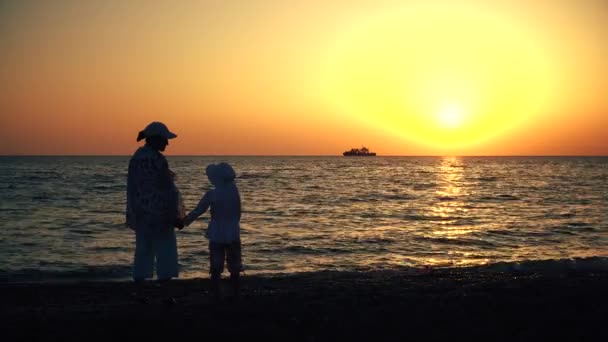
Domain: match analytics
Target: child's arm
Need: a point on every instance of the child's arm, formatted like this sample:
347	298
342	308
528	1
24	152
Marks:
202	206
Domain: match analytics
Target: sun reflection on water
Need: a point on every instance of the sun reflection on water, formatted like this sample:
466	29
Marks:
453	216
449	203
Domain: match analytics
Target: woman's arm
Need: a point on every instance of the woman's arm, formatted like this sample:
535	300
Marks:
130	214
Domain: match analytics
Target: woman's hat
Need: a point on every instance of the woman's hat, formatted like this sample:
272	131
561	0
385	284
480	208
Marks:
220	173
156	128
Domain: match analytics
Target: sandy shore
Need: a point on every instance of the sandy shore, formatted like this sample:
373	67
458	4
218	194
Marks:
436	305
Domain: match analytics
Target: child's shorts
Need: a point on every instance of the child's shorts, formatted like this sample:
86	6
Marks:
221	252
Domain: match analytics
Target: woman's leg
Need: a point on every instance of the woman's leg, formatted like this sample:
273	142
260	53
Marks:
166	263
143	264
165	289
234	279
143	260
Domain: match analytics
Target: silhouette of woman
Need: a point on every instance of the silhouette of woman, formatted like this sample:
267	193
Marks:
153	209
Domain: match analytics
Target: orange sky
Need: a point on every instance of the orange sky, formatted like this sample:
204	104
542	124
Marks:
306	77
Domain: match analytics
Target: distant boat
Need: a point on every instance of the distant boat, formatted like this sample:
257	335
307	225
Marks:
362	152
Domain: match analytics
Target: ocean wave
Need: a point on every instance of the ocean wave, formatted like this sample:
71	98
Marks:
559	215
424	186
124	272
572	229
302	249
578	224
81	231
41	176
84	272
398	197
483	243
382	197
111	249
487	179
376	239
497	198
516	232
248	176
104	188
42	197
447	198
308	250
547	266
599	263
424	218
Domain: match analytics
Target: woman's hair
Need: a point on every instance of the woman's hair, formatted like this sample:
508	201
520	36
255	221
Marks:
155	138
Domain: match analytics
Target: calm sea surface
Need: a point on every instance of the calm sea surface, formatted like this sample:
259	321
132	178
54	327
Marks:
63	217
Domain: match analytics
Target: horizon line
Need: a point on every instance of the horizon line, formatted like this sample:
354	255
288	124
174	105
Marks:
306	155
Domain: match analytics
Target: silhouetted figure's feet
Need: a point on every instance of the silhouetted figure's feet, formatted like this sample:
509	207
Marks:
218	298
169	301
140	299
231	300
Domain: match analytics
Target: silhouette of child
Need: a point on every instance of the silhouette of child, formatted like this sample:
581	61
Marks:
223	230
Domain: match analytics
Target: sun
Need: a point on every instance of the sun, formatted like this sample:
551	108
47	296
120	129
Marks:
450	116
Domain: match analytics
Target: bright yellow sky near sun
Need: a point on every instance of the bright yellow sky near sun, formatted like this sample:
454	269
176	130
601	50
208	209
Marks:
415	77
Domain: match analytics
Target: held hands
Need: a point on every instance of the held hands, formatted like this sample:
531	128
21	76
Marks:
182	222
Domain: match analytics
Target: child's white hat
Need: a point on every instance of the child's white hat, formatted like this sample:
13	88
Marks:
220	173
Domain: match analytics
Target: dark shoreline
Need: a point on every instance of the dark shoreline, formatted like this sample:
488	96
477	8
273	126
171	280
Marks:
434	305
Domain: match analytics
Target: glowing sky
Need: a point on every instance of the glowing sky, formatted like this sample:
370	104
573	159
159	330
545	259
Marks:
306	77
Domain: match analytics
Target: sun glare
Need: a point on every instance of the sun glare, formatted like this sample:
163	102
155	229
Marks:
395	70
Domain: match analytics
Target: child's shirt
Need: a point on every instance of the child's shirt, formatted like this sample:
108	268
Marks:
225	204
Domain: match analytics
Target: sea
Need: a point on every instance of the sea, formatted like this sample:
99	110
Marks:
63	218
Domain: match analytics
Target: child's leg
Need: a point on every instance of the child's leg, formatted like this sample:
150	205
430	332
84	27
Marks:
139	294
217	252
235	265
